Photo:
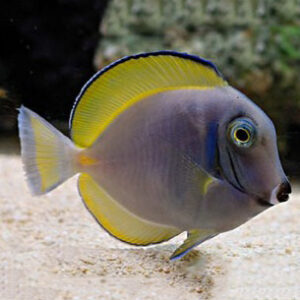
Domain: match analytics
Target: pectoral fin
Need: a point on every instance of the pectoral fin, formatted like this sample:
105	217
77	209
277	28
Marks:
195	237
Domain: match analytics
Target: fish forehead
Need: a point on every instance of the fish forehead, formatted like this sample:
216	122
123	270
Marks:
217	101
240	105
224	104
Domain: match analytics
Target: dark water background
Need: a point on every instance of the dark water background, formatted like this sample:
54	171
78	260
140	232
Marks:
49	49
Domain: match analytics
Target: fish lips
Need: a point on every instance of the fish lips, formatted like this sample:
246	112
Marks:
279	194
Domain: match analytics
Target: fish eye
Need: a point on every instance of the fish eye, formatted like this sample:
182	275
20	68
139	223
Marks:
242	132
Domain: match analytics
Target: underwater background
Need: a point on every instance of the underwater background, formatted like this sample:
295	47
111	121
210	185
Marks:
49	51
51	247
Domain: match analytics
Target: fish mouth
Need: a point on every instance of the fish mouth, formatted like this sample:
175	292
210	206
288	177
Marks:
279	194
283	191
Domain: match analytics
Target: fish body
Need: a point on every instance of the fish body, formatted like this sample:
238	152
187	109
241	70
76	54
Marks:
163	145
148	149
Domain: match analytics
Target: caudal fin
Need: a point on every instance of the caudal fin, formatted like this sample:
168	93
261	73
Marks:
48	155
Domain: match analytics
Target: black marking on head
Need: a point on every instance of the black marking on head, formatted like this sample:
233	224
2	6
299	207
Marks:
238	184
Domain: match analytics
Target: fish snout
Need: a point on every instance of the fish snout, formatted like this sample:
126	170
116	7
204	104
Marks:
281	193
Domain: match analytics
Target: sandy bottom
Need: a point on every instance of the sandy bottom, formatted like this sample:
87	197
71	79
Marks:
51	248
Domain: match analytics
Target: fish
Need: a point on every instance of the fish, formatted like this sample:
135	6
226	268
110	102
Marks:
162	145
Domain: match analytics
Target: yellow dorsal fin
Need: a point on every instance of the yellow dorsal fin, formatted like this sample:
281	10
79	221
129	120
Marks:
117	220
131	79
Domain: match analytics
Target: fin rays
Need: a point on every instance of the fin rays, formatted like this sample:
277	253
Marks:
118	221
195	238
130	80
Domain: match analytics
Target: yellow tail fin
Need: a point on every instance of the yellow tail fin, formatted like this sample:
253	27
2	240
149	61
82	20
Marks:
47	154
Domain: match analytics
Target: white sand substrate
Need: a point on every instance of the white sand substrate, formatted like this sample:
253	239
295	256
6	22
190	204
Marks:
51	248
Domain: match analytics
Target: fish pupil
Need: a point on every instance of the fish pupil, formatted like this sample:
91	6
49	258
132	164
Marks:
242	135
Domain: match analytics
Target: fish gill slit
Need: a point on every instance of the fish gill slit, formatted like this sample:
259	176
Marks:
239	187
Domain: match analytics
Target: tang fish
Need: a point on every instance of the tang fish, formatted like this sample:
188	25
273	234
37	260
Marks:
163	145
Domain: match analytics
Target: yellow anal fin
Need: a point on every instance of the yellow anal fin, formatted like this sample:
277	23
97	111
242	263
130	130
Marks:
195	237
117	220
